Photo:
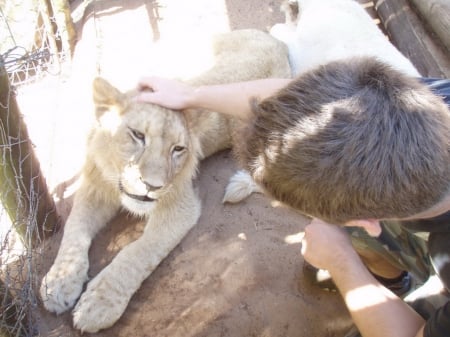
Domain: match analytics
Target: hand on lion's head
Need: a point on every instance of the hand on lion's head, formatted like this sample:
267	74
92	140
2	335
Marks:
145	150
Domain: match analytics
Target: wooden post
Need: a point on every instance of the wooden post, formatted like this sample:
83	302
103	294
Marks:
46	14
407	32
66	28
23	190
436	14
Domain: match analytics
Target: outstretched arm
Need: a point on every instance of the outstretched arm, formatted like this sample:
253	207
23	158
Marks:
230	99
376	311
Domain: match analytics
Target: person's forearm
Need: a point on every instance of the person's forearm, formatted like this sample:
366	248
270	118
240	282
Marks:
234	99
375	310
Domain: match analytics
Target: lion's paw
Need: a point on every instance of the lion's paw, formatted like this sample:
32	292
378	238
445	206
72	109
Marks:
62	286
100	306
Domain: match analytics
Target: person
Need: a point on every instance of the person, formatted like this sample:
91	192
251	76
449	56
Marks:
357	144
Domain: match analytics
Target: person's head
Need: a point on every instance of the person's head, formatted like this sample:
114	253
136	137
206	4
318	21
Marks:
350	140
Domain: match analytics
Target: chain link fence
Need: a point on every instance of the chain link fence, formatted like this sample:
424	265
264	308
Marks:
36	38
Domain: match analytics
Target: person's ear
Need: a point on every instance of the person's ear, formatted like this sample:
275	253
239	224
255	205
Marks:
372	226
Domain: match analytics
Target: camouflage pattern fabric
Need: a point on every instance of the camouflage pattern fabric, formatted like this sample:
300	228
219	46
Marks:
407	251
400	247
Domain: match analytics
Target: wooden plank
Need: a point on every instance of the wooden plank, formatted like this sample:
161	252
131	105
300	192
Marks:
436	14
408	33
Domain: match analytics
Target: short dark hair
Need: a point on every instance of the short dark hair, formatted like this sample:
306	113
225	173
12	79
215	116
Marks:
352	139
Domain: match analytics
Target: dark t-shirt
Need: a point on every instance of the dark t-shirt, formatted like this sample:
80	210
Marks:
439	324
440	87
441	223
439	240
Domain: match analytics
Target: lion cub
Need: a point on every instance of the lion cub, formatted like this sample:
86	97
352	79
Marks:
143	158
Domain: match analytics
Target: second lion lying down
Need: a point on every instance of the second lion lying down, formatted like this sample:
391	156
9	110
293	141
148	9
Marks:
143	158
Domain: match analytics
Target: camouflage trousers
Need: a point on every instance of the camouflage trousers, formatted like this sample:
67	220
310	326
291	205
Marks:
407	251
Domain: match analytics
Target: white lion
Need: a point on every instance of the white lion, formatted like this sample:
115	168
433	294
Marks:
321	31
143	158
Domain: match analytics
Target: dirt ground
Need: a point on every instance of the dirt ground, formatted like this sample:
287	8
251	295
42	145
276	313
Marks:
239	271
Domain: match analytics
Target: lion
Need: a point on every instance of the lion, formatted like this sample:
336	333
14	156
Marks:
318	32
143	158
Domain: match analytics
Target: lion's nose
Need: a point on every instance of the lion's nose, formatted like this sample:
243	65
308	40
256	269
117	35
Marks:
151	187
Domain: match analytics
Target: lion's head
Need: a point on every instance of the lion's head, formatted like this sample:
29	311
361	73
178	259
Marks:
145	151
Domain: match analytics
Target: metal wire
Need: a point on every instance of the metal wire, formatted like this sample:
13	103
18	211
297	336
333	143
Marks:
23	63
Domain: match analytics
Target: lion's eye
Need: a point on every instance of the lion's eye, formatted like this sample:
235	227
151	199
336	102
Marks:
178	148
139	136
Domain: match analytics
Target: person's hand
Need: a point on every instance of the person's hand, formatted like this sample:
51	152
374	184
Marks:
168	93
324	244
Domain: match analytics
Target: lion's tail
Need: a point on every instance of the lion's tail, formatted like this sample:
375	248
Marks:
240	186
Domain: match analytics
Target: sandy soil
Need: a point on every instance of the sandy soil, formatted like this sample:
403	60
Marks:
239	271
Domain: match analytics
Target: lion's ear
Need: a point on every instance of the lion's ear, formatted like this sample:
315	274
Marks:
107	97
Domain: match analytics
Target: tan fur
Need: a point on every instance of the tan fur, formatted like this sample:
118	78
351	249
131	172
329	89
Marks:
140	151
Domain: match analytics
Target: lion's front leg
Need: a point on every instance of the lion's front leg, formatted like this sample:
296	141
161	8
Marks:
108	294
64	282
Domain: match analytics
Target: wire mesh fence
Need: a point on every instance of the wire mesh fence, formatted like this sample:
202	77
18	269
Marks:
34	38
33	43
27	215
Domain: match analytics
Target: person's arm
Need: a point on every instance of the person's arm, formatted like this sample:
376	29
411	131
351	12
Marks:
231	99
375	310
